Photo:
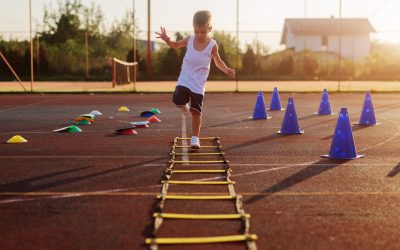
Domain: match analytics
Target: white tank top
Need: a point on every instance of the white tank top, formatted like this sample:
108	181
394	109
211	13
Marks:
196	67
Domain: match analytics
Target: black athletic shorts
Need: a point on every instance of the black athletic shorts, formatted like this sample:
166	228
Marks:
183	95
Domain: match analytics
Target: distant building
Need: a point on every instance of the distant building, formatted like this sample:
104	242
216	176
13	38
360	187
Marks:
322	35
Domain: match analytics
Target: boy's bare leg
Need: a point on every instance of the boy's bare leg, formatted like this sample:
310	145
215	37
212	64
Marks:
185	109
196	123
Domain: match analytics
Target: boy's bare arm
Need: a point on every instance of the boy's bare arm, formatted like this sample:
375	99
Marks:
220	64
172	44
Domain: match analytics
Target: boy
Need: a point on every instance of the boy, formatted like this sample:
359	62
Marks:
195	69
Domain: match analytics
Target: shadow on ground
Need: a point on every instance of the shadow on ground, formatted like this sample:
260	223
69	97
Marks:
308	172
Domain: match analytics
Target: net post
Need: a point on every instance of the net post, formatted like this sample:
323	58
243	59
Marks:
128	74
123	72
114	72
135	72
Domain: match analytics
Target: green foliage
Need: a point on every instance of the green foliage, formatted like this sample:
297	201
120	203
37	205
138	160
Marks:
250	65
15	53
229	46
214	71
305	64
62	53
170	63
383	62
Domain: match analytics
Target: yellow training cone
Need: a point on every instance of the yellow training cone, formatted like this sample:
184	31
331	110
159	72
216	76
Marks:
123	109
17	139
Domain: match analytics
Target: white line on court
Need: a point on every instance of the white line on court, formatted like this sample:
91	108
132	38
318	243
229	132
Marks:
387	140
261	171
63	195
234	115
82	156
27	105
281	166
288	164
59	195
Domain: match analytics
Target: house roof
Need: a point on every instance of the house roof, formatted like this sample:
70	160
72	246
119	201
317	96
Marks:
326	27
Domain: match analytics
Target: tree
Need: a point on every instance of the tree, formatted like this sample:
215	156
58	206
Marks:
182	51
229	46
170	63
249	61
214	71
63	24
306	64
286	65
44	64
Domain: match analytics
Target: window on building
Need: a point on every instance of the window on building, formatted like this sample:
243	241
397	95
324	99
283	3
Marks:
324	43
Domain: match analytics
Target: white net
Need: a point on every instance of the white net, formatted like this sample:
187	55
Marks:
124	72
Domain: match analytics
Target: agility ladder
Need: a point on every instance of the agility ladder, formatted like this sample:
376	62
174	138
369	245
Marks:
246	237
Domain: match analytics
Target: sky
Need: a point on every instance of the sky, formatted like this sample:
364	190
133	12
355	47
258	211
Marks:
258	19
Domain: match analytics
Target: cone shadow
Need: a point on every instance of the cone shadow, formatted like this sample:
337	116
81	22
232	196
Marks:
257	141
355	127
394	171
28	185
230	123
307	117
310	171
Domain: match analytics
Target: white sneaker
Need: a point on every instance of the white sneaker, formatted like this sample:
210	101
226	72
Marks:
195	142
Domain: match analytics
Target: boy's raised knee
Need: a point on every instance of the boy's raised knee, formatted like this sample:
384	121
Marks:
184	108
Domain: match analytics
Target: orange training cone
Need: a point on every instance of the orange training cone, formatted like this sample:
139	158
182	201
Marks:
154	119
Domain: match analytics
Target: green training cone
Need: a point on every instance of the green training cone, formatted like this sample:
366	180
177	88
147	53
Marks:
73	129
155	111
69	129
17	139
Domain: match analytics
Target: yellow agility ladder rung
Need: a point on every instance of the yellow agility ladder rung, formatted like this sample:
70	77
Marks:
180	146
202	240
199	162
190	171
201	138
201	216
199	182
198	154
197	197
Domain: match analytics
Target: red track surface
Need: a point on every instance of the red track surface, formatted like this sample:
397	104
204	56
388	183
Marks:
297	200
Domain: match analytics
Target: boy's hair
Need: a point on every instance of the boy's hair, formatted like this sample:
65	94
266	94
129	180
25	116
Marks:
202	17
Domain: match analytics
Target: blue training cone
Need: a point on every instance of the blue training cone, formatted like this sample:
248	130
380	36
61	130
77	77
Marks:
342	146
367	117
290	125
275	101
260	112
324	106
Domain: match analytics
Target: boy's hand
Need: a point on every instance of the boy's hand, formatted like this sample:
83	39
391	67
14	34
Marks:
163	35
231	73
